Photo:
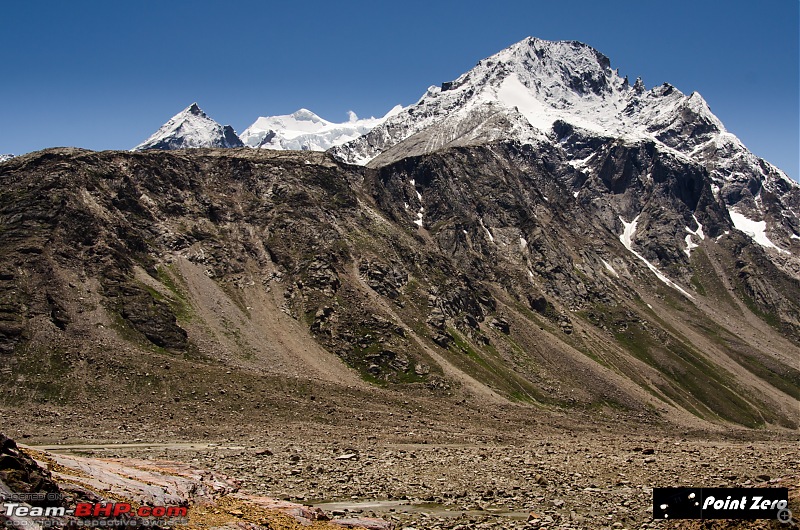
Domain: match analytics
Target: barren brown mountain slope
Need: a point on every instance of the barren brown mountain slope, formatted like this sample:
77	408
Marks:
228	280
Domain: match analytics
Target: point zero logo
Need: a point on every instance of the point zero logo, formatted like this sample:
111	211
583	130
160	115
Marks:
720	503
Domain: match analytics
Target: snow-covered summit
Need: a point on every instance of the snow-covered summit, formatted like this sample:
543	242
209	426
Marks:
3	158
191	128
304	130
535	88
542	82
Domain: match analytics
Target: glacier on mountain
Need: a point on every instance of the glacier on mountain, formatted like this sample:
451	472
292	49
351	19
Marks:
304	130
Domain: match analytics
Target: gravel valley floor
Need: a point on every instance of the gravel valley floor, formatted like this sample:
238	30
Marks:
448	472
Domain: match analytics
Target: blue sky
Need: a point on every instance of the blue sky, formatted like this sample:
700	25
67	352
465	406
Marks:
105	75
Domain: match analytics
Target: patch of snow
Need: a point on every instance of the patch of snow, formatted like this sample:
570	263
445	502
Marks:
699	232
626	237
581	163
575	194
727	232
3	158
523	243
629	229
691	245
514	94
491	238
418	220
756	230
608	266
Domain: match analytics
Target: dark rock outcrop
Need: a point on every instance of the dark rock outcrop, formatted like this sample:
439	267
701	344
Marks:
20	474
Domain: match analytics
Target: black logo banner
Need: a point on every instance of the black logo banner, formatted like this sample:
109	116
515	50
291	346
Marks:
720	503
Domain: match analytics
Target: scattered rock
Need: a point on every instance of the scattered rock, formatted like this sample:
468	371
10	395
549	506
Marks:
501	324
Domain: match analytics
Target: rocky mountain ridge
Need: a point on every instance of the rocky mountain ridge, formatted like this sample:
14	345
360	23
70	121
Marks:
471	273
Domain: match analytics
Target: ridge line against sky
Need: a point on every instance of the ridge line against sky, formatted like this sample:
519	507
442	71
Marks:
106	75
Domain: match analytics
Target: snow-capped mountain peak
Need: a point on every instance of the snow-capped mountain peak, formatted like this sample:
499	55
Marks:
306	115
535	83
535	90
536	80
191	128
294	124
304	130
567	64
